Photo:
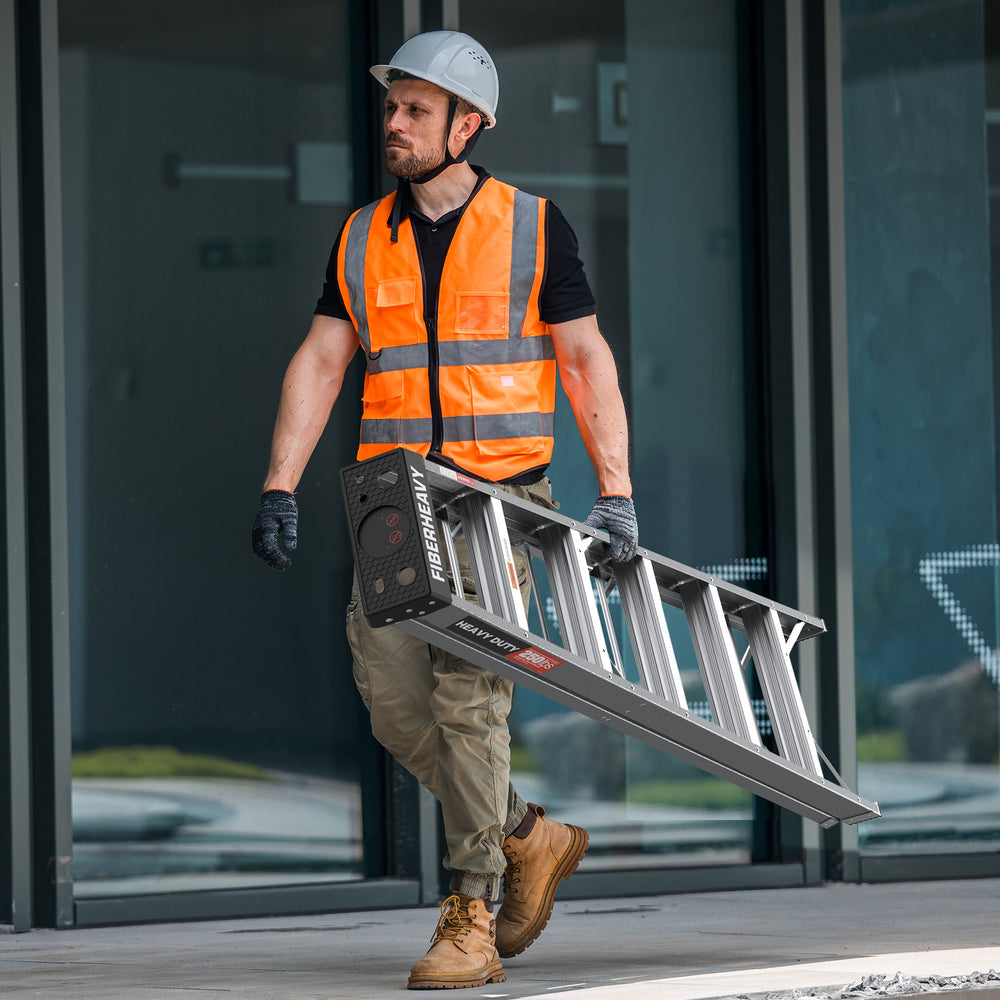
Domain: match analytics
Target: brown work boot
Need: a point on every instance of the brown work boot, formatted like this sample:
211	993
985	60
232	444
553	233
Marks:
463	950
535	864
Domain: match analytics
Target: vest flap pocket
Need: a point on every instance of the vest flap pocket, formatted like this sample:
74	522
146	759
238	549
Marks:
482	313
505	408
396	292
383	386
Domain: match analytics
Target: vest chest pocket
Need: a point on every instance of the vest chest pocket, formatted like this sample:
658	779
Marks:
484	314
393	292
395	321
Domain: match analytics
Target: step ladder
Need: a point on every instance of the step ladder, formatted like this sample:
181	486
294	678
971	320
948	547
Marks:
405	515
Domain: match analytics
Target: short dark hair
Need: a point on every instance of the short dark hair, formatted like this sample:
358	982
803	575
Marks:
465	108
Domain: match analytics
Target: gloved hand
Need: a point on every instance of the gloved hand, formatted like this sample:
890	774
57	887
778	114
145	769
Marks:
616	515
278	514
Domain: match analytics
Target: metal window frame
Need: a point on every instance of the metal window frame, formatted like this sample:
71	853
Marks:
16	902
37	757
45	436
805	295
832	431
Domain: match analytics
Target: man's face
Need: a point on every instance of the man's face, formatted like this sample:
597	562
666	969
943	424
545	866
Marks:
416	113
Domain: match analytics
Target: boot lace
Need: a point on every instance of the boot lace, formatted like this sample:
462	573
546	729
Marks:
512	873
455	920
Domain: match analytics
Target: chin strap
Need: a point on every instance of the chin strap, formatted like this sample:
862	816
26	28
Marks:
402	184
429	175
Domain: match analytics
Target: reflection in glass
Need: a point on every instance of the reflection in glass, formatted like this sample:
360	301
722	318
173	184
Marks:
205	168
921	218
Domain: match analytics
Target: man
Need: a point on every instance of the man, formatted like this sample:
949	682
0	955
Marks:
465	295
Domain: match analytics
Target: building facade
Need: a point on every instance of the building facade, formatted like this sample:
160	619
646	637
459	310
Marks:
786	211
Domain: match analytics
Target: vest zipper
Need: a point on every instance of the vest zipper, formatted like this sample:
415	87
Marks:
433	362
434	383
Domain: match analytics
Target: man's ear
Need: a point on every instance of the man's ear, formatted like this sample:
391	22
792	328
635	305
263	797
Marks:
468	127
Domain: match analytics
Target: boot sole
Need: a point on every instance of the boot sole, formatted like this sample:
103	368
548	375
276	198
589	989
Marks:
493	973
567	865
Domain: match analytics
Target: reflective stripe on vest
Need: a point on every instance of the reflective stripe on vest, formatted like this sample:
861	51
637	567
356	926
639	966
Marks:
354	272
493	351
467	352
418	430
522	258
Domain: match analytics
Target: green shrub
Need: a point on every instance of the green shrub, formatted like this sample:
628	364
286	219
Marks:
158	762
689	793
523	760
882	745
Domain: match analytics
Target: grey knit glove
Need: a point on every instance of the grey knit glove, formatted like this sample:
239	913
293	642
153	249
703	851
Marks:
278	514
617	516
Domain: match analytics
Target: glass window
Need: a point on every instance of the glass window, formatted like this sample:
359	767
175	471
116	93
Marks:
921	182
627	116
206	173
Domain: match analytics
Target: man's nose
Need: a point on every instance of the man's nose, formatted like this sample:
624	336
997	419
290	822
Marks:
393	122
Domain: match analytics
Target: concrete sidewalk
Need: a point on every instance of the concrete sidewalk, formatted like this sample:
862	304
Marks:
679	947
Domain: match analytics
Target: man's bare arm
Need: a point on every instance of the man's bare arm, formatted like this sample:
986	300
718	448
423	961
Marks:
590	380
311	386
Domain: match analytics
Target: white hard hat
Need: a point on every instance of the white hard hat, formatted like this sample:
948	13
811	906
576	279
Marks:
453	61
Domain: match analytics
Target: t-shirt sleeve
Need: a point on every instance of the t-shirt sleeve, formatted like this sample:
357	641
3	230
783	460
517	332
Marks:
331	302
566	293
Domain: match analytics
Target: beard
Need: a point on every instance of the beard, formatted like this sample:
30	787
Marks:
403	161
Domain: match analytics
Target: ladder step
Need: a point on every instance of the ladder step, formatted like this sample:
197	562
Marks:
492	557
647	627
781	693
720	666
572	591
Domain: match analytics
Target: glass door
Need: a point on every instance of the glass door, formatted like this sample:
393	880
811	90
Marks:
922	168
627	115
206	173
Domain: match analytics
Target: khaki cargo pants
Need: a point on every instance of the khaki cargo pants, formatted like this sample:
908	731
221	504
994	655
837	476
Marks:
445	721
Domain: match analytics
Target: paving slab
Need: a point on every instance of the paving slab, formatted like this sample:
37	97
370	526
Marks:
671	947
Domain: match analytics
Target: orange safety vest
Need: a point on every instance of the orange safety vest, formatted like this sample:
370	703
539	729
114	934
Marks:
476	383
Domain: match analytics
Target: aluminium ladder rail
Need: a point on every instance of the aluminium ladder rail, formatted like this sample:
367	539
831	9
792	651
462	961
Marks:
405	514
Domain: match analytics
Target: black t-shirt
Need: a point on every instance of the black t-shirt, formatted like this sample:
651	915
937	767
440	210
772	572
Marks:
565	292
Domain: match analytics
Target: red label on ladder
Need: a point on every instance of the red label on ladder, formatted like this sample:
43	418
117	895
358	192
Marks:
534	659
